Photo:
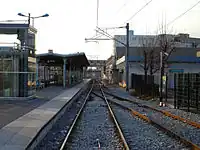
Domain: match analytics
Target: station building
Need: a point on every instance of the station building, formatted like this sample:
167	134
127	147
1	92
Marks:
17	64
22	71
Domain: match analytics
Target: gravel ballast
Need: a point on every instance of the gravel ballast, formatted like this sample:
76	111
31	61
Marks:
54	138
187	115
188	132
141	135
94	124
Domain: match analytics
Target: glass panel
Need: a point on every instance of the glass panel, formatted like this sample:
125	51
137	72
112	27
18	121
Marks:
7	85
31	84
1	84
15	84
1	65
7	65
31	67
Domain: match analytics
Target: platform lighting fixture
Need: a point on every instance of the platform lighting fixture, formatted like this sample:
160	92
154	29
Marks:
30	17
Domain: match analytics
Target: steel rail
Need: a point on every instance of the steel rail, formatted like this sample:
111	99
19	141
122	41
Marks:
75	120
145	118
164	112
115	120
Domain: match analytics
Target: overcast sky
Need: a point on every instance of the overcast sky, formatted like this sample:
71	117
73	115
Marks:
71	21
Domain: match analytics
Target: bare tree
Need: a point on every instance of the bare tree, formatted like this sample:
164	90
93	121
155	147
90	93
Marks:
166	44
149	54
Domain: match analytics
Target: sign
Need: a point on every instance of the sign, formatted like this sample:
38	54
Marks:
198	54
31	59
164	78
176	70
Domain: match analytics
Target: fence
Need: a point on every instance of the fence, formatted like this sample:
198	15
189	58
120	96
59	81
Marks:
187	91
138	83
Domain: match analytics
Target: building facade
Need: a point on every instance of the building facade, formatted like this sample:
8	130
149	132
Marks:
60	69
182	59
110	62
11	72
17	61
96	69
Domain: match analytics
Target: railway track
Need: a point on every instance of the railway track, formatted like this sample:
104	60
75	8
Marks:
187	129
164	112
100	120
95	127
143	113
55	136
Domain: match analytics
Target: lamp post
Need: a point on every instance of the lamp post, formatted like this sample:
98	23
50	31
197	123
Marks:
127	57
30	17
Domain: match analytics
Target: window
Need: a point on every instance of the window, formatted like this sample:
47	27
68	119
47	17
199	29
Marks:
7	65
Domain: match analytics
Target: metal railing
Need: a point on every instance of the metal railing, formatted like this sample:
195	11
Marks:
187	90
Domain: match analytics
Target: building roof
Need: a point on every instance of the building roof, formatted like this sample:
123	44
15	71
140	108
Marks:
14	28
60	55
53	59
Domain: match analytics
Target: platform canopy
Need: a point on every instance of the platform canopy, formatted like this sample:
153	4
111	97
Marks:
55	59
8	28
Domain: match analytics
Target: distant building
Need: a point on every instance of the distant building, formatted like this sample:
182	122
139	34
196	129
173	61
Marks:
109	69
96	69
183	59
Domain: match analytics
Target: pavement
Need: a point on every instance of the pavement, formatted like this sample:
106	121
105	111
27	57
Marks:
10	110
49	92
19	133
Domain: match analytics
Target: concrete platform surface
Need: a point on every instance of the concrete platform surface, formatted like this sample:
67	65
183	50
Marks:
10	110
49	92
19	133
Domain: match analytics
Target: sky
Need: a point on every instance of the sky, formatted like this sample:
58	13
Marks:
71	21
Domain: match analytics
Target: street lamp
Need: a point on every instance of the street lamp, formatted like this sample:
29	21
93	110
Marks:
29	17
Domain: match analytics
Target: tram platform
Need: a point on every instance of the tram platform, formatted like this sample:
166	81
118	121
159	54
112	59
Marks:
20	133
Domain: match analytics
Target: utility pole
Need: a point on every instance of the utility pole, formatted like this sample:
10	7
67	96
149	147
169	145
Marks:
29	18
126	58
97	14
161	77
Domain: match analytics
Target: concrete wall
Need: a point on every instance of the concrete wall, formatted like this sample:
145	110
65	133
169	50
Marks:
179	54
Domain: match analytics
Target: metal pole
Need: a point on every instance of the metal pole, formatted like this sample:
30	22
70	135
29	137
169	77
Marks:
127	54
166	88
161	80
64	72
175	91
70	73
97	14
188	85
37	72
29	18
197	89
33	22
